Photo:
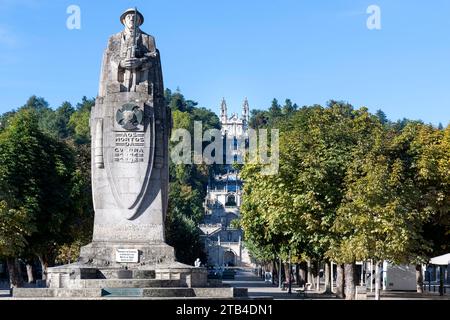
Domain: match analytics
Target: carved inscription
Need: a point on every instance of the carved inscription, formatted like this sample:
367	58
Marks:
127	255
129	147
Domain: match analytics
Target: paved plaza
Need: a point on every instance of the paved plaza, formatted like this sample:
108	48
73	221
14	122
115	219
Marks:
258	289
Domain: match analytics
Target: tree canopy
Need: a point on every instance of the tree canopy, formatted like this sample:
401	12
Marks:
351	186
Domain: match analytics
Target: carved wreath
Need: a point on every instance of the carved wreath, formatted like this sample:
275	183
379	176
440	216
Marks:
129	116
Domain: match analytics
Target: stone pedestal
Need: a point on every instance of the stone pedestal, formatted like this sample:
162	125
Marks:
99	260
79	276
104	254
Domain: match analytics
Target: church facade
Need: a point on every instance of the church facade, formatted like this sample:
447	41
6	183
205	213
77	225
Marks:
222	238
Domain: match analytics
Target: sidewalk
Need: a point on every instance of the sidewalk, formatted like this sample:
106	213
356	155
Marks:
407	295
258	289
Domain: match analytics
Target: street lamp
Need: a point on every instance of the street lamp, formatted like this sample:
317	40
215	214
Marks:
290	268
280	282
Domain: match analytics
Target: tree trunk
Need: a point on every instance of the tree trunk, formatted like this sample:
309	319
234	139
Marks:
310	274
280	274
303	272
318	279
377	280
356	276
44	266
30	272
297	274
274	271
327	278
350	286
419	278
15	275
286	272
340	281
317	274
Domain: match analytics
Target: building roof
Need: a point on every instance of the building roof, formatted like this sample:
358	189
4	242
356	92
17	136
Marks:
209	229
443	260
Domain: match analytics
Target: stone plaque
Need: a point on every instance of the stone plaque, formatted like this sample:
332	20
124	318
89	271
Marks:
127	255
129	147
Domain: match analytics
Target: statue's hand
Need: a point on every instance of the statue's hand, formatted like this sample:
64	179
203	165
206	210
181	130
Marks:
131	63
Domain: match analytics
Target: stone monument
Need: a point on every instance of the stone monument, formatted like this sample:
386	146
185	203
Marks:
130	127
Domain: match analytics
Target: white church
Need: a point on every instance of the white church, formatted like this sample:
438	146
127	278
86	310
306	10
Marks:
222	239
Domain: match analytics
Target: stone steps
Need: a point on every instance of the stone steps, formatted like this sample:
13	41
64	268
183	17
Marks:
168	292
123	283
122	292
55	293
138	293
148	292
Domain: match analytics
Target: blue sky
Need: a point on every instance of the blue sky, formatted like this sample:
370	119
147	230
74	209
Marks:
308	50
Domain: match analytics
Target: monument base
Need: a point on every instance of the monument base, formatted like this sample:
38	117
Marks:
113	262
131	293
106	254
99	275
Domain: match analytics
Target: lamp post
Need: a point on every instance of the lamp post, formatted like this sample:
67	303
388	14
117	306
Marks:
441	280
280	282
218	251
290	279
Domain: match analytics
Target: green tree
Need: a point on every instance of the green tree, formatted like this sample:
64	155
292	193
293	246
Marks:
36	173
79	230
289	107
62	118
347	190
430	148
258	119
79	121
45	115
20	155
187	182
295	209
381	116
275	111
5	119
386	205
15	226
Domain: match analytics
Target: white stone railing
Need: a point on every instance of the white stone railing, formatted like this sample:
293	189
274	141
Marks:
224	243
218	225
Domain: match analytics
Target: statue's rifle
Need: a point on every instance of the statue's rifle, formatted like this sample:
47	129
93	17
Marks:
134	48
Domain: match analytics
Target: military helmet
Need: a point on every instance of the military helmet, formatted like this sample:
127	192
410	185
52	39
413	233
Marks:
132	10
